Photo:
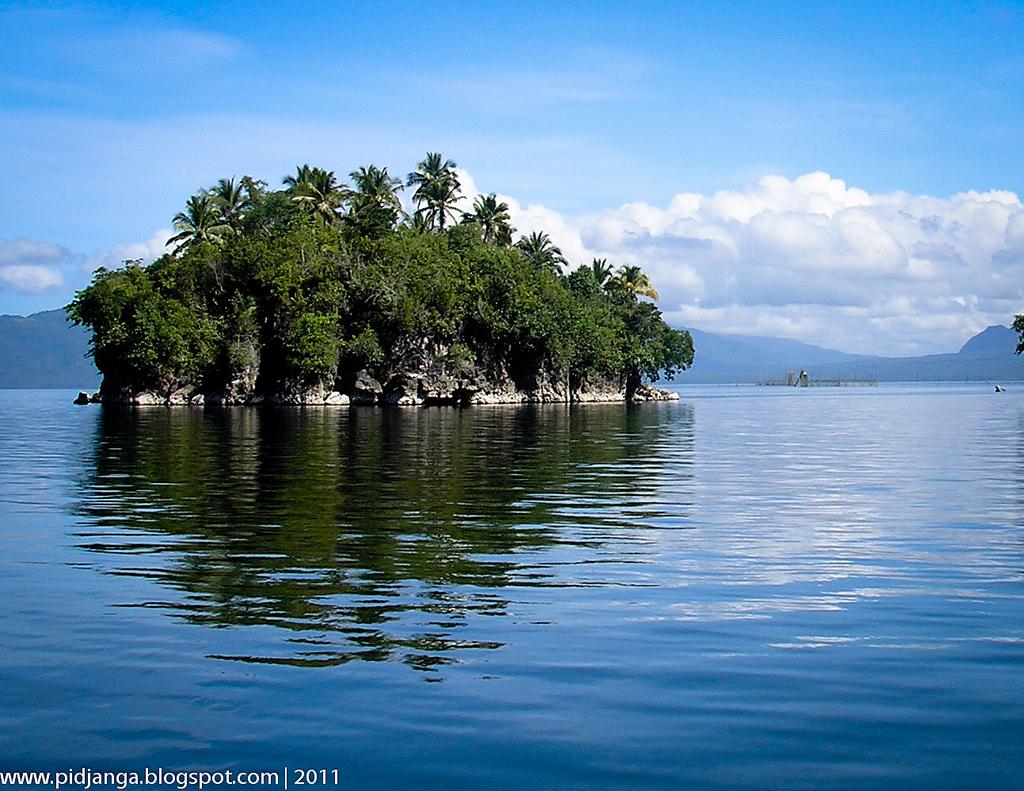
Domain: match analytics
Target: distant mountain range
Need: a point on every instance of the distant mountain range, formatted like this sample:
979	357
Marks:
987	356
44	350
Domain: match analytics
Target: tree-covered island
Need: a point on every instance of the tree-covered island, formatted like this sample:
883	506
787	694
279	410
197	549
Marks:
325	293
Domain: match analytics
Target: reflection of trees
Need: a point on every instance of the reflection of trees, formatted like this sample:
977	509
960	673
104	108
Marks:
345	527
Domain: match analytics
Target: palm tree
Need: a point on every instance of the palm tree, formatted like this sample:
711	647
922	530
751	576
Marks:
633	280
373	206
319	190
493	219
255	189
418	223
602	271
233	200
302	175
539	249
374	189
437	190
200	222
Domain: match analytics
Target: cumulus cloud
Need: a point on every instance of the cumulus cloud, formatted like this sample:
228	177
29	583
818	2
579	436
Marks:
815	259
22	251
30	266
37	274
809	258
29	279
130	251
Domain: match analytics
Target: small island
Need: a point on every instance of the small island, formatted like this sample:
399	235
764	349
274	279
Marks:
326	293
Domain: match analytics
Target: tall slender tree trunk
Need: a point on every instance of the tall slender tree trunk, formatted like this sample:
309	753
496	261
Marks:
633	382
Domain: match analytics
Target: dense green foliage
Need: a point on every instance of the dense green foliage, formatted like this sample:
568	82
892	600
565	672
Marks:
319	280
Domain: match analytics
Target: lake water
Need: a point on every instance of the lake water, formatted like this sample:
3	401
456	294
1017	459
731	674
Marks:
750	588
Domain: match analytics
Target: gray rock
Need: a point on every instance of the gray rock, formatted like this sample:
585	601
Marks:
148	398
366	389
404	390
424	373
181	396
646	392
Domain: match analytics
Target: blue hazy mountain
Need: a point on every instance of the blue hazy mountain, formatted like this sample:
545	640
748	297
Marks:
751	358
987	356
44	350
996	341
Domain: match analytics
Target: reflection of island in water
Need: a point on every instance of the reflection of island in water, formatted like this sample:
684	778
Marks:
365	534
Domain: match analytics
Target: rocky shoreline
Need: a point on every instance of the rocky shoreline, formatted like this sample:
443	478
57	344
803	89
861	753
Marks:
429	385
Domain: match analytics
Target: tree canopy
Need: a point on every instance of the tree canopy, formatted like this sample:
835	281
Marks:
318	280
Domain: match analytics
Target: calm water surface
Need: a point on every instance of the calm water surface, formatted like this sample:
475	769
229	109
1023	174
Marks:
751	588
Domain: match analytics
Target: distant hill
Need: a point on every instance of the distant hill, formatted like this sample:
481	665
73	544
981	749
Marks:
750	358
43	350
989	355
995	341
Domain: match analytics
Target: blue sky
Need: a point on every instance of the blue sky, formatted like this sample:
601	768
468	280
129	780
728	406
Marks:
111	114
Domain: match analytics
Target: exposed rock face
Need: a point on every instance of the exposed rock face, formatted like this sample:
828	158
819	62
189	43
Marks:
114	391
149	399
405	390
648	392
82	398
424	374
181	396
240	387
467	383
298	394
366	389
316	394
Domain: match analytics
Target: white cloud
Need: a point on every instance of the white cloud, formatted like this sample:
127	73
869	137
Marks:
809	258
30	279
27	251
29	266
130	251
33	269
815	259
